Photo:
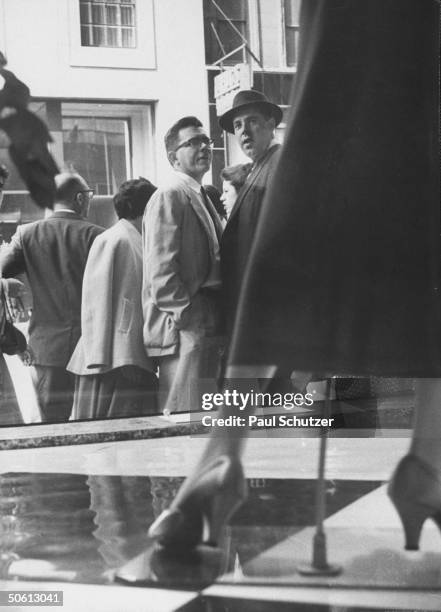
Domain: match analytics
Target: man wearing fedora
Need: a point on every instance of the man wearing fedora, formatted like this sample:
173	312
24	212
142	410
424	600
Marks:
252	119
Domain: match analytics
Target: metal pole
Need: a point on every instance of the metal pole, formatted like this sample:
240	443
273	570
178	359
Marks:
319	564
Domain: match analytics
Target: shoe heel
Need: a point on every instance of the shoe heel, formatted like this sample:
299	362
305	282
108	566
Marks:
412	517
232	493
221	510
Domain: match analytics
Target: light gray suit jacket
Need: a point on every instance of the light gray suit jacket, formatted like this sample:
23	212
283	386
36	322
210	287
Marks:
178	255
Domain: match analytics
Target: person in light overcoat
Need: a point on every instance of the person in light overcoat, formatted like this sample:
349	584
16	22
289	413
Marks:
114	375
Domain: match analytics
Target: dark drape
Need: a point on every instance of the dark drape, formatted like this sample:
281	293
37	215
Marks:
344	272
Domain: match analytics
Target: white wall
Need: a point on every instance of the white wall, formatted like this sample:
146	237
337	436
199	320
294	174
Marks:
35	37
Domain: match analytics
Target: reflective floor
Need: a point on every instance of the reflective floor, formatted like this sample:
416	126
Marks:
75	518
81	528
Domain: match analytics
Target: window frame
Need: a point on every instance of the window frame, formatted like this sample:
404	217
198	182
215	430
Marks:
141	57
286	27
106	26
139	114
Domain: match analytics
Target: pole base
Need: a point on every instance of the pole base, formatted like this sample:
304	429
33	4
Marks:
308	569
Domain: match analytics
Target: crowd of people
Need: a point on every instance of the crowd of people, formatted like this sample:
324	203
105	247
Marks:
136	319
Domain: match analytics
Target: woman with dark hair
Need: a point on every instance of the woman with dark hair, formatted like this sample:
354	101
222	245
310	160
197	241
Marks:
234	178
115	377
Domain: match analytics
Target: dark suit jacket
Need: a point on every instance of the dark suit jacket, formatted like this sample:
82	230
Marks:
53	253
240	230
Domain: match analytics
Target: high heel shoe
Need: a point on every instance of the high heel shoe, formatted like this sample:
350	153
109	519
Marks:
415	491
201	514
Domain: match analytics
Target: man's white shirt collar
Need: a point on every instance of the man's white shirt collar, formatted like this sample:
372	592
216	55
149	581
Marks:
190	181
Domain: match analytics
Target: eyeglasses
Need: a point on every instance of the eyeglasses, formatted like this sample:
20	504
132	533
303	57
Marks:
196	142
88	192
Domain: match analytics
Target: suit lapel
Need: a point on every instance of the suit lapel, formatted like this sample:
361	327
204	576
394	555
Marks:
251	180
202	216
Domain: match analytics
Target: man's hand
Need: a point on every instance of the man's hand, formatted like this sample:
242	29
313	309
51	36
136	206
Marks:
27	357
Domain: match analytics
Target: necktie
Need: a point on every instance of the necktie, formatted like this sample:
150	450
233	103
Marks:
213	214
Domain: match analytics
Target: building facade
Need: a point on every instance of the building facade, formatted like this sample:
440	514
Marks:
110	76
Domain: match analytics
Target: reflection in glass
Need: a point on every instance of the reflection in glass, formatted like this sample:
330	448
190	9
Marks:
98	150
79	528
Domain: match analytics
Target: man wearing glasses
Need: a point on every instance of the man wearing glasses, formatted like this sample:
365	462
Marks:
181	233
53	253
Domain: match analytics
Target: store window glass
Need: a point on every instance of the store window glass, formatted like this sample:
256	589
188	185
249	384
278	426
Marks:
109	23
98	149
97	140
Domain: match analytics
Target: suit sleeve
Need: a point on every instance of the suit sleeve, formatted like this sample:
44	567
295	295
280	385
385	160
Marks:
162	235
12	260
97	302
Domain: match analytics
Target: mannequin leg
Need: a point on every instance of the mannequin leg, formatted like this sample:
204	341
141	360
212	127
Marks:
426	439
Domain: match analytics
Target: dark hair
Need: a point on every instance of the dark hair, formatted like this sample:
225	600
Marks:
132	198
236	175
215	197
171	138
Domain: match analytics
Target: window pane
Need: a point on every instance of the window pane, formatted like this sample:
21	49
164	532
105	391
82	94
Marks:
291	46
276	86
127	16
128	37
84	12
230	40
98	14
234	9
112	14
237	11
292	12
112	37
96	149
98	35
85	36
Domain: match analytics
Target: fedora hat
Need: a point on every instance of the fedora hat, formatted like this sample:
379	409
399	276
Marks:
249	97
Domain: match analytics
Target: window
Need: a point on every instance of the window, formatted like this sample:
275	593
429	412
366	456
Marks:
106	142
109	23
112	33
292	10
220	37
98	149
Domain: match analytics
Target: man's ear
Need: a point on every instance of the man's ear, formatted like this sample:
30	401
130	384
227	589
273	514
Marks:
78	203
172	158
